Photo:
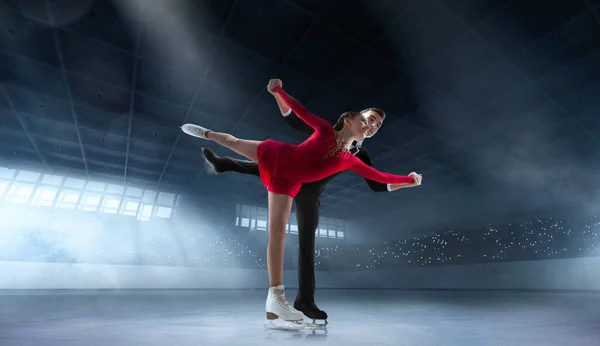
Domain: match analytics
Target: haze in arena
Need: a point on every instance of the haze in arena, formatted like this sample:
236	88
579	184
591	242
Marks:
365	172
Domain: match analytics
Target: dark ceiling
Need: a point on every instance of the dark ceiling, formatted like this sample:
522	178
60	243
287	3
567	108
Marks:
477	92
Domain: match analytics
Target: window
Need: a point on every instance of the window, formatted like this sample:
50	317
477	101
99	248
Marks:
90	201
291	226
3	187
261	225
53	180
166	199
330	228
148	197
164	212
110	205
130	206
44	196
115	189
20	193
251	217
260	215
145	212
22	187
7	173
67	199
242	215
74	183
335	228
134	192
28	176
256	218
333	224
95	186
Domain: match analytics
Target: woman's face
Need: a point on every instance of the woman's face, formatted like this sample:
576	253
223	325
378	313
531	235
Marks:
359	126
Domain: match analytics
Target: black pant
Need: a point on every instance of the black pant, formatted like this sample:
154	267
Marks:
308	207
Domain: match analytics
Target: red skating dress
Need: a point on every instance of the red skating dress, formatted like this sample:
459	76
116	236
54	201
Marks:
285	167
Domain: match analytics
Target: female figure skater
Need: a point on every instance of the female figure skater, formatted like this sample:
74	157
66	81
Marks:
284	167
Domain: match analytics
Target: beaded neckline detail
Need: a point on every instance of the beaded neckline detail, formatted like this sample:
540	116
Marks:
336	148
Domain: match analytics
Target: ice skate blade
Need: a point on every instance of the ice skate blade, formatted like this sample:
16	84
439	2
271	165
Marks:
315	325
279	324
273	316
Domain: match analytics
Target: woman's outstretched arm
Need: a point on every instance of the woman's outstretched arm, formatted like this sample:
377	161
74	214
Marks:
371	173
292	119
309	118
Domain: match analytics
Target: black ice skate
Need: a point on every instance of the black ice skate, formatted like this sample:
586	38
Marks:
311	311
212	160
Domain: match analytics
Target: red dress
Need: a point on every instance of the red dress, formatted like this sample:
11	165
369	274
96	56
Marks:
285	167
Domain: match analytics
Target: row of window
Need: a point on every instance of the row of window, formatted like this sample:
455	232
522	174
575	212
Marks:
25	187
256	219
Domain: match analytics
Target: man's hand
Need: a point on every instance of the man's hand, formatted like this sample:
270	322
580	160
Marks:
416	177
273	84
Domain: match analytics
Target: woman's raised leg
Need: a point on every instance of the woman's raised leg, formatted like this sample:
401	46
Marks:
244	147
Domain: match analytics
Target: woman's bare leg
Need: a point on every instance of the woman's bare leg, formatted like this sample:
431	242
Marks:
244	147
279	213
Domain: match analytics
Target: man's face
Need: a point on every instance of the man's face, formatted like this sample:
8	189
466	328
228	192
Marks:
374	121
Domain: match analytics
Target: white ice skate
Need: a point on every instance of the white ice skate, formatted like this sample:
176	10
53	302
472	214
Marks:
280	314
195	130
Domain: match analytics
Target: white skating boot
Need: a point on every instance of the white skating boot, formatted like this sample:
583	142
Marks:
280	314
195	130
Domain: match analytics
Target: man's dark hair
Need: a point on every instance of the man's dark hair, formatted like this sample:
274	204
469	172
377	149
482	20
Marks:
376	110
